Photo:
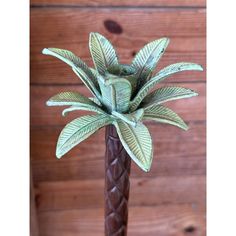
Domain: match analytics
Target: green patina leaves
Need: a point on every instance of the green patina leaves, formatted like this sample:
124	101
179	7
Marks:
78	66
137	142
78	130
166	94
76	100
132	118
160	76
147	58
116	93
69	99
165	115
102	52
121	96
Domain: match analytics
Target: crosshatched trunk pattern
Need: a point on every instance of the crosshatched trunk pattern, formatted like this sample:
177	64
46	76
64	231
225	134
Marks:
117	167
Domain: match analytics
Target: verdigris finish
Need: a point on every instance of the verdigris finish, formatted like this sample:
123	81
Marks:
121	96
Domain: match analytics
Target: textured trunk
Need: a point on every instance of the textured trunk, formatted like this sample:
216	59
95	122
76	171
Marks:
117	170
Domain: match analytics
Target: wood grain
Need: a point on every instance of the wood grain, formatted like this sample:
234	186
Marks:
44	138
54	170
165	220
176	153
133	3
77	194
34	229
70	28
170	199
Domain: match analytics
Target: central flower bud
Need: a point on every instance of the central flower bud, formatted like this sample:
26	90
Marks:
117	86
124	71
121	70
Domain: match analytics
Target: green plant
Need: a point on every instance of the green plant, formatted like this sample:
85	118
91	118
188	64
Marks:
121	96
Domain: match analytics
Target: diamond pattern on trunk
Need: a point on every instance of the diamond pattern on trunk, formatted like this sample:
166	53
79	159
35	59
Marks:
116	169
116	185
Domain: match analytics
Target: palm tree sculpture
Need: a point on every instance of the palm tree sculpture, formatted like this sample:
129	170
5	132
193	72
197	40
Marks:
122	102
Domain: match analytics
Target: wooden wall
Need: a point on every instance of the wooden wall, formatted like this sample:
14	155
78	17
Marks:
170	199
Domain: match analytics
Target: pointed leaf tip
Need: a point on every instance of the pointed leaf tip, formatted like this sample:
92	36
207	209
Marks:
79	67
197	67
49	103
102	52
93	34
148	57
147	168
58	156
64	112
45	51
201	68
194	93
186	128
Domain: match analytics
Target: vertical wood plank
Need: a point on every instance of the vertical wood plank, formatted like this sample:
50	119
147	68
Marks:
34	228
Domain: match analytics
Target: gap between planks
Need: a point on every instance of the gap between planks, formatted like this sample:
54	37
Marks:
124	7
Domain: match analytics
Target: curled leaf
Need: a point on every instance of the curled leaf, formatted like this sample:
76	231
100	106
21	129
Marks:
83	108
70	99
78	66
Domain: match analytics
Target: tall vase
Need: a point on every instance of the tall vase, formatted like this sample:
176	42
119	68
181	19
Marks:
117	170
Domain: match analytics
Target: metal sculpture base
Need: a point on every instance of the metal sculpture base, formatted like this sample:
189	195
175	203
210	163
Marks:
117	170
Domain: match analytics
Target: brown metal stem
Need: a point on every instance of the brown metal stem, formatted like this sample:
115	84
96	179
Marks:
117	170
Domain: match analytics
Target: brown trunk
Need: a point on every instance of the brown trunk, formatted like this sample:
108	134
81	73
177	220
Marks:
117	170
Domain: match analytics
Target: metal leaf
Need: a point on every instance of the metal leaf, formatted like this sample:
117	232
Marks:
88	83
132	118
95	100
123	117
78	66
102	52
163	114
137	142
69	99
166	94
113	85
164	73
78	130
136	115
75	99
83	108
124	71
147	58
116	94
